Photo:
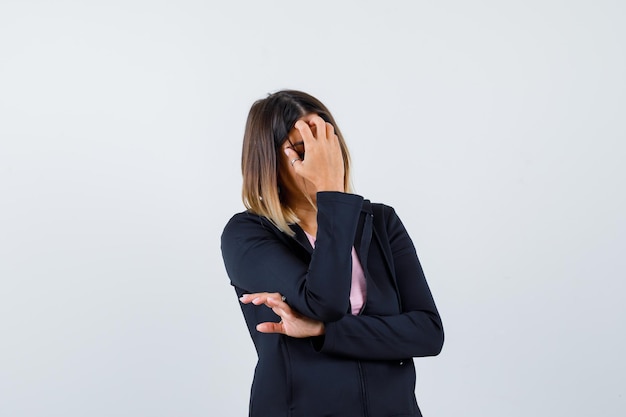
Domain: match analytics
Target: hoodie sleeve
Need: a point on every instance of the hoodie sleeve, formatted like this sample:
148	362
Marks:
257	260
416	331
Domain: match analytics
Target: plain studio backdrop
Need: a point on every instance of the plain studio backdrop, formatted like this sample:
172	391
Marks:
496	130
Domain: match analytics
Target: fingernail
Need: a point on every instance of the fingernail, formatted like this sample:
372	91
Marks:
287	151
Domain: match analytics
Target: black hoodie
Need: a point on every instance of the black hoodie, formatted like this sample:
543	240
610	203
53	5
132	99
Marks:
362	365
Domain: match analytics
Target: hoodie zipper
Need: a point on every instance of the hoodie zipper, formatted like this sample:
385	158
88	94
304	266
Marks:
364	251
363	392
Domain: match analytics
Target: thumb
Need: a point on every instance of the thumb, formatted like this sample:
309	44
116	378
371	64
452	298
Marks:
270	327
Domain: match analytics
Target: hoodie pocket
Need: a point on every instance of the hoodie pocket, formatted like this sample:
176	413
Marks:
320	384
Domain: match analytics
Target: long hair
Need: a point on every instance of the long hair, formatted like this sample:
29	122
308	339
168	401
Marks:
268	125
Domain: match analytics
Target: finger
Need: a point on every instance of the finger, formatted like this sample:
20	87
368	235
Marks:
294	159
320	127
258	298
255	294
281	308
248	298
270	327
305	132
277	301
262	299
330	131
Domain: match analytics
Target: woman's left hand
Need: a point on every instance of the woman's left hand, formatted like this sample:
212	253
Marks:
291	324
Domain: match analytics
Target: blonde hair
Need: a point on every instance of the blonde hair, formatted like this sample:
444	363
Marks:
268	125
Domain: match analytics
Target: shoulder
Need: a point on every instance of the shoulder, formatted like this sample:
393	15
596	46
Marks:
386	221
245	223
244	218
380	211
245	228
380	207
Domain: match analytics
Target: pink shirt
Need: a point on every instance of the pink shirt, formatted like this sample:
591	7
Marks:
357	289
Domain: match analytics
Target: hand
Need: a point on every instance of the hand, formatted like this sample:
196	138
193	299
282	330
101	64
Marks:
291	324
323	164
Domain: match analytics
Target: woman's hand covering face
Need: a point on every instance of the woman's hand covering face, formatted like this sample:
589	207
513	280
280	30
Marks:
323	165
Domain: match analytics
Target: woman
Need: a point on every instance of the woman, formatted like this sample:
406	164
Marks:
330	284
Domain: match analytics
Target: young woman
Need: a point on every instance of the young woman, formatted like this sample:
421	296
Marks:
330	284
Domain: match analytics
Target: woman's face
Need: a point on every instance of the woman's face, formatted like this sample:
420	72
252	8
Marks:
291	183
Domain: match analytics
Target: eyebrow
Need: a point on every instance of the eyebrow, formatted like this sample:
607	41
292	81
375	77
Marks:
293	145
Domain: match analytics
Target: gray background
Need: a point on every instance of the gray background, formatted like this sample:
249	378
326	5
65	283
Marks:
496	129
